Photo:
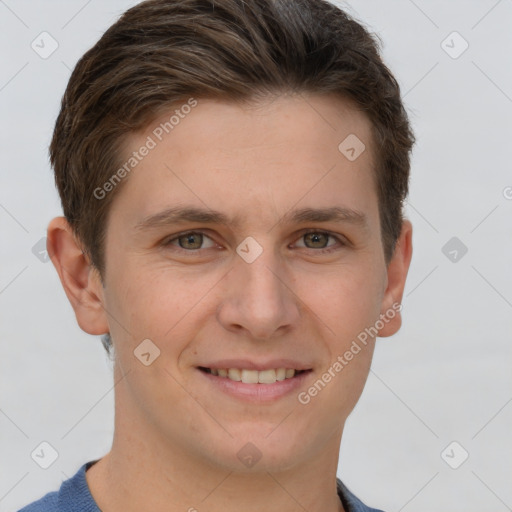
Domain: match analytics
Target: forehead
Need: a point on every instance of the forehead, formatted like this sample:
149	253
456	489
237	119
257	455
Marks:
247	158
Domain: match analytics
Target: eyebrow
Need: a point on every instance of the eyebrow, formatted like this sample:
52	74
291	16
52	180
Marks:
182	214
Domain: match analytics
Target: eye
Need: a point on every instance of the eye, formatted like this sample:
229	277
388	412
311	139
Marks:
320	240
190	241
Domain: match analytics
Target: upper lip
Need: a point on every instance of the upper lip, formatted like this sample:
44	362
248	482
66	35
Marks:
245	364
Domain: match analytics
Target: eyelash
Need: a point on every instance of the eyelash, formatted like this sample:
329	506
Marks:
326	250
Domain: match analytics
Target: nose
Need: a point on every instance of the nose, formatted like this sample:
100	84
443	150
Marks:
258	298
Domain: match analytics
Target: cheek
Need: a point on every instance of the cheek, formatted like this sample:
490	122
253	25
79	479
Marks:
348	306
346	300
160	304
346	386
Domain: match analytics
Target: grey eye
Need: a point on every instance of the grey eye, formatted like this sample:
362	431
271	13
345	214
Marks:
191	241
317	240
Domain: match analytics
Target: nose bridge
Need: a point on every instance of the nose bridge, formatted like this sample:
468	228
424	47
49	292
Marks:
258	298
260	276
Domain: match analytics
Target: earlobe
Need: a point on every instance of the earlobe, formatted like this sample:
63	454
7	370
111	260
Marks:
79	278
397	274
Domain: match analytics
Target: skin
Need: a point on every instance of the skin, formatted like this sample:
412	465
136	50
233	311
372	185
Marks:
177	437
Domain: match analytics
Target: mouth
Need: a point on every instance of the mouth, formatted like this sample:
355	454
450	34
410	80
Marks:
246	376
257	386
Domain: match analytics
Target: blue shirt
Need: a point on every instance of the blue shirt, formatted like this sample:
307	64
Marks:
74	496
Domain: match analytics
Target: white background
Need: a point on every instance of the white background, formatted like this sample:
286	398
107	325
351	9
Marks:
446	376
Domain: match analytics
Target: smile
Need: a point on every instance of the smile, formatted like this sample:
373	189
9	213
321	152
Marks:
270	376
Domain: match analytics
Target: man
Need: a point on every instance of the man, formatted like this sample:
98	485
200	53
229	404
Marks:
232	177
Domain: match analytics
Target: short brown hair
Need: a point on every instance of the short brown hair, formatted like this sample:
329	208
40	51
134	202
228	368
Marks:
162	51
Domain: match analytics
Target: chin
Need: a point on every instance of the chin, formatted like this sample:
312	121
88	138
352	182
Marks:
260	450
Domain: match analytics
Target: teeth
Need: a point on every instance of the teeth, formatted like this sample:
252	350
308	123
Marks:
255	376
289	373
250	376
234	374
267	377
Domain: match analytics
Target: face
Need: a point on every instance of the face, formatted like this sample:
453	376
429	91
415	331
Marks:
247	240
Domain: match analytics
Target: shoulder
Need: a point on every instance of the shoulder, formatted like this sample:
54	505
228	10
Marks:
73	496
352	503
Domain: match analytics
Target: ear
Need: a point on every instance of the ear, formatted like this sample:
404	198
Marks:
397	274
80	280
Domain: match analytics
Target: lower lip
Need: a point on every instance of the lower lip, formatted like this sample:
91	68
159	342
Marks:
256	392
